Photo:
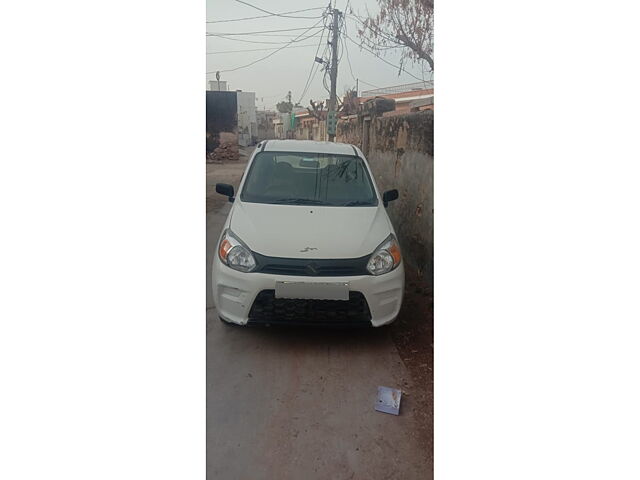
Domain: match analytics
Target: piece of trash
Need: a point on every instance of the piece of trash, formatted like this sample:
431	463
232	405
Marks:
388	400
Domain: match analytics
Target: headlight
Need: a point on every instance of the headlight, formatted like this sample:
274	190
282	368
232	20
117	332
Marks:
235	254
385	258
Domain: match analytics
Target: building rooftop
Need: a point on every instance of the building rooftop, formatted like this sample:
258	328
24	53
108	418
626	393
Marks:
308	146
407	87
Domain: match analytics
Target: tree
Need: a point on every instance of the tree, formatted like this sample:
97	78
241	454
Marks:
407	24
285	106
350	102
316	109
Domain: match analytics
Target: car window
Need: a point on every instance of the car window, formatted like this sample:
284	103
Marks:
308	179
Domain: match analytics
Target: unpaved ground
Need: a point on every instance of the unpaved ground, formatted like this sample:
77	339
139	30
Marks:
298	403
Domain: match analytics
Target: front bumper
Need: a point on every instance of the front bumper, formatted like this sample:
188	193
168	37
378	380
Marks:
235	292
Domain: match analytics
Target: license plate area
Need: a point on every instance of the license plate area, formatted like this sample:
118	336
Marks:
313	290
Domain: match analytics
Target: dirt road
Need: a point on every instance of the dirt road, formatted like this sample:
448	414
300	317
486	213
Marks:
298	403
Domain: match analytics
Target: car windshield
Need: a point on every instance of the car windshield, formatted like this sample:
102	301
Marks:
290	178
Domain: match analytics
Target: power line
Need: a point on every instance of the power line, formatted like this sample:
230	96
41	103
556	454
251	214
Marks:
283	14
313	65
344	44
261	41
224	35
370	84
261	98
316	66
346	47
310	80
354	17
270	13
378	56
257	33
267	56
257	49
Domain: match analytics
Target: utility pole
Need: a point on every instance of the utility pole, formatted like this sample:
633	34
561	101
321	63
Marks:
331	114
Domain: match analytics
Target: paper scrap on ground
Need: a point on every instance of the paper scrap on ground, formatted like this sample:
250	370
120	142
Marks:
388	400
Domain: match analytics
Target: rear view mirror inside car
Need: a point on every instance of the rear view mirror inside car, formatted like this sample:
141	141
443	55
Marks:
309	163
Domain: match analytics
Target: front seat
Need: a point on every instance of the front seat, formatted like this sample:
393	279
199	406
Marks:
281	183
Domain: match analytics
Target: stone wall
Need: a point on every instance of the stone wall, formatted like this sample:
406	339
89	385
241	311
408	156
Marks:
400	152
349	130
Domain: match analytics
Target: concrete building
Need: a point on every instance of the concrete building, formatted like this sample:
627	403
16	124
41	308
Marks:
221	116
218	86
265	119
310	127
283	126
247	121
245	115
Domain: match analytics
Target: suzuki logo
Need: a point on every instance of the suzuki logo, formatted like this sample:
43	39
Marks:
311	269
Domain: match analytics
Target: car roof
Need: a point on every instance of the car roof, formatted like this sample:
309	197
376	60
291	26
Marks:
309	146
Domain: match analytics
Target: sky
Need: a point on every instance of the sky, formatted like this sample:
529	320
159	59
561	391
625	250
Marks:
289	68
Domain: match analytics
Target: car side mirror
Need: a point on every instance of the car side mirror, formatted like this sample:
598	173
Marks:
225	189
389	196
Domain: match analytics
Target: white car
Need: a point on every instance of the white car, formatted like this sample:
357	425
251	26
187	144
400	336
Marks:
307	241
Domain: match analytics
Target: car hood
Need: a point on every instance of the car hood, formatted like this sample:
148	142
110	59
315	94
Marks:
297	231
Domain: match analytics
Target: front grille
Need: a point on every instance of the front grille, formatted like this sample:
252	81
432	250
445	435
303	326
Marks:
342	267
267	309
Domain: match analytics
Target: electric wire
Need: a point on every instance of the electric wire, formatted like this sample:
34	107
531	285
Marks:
267	11
283	14
258	49
263	41
354	17
347	49
401	69
313	65
256	33
370	84
317	66
269	55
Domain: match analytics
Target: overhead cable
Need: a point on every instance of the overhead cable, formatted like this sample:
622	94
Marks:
258	49
401	69
271	54
283	14
270	13
257	33
315	34
314	65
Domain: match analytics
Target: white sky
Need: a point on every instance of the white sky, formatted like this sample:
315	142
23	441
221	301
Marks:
288	69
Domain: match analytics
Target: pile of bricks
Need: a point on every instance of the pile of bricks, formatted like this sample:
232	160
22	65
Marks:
226	152
227	149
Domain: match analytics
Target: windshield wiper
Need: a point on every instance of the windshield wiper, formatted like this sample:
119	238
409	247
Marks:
300	201
354	203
